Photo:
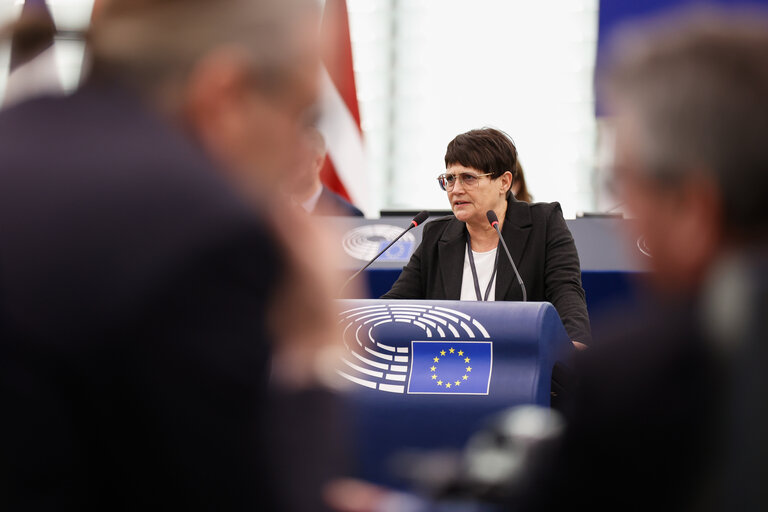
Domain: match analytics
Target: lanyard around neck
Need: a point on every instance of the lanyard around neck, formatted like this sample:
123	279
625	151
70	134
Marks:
474	271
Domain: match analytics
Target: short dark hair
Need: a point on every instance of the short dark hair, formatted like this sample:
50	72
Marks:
485	149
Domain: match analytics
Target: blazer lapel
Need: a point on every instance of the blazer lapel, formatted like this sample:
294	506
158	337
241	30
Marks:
450	250
516	228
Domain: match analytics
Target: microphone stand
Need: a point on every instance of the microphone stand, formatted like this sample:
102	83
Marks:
494	221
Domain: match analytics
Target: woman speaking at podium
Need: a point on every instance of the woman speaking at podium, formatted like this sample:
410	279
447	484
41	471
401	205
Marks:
460	257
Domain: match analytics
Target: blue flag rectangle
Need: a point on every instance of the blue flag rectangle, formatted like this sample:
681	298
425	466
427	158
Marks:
455	367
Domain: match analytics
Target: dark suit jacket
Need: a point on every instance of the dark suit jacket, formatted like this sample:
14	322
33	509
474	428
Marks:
541	246
332	204
669	411
641	422
134	285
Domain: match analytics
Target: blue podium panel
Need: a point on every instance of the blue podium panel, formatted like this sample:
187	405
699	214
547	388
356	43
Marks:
427	374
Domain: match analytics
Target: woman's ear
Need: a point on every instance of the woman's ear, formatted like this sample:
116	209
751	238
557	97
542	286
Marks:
506	182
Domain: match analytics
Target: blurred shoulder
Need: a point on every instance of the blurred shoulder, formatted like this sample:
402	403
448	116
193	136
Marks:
332	204
36	115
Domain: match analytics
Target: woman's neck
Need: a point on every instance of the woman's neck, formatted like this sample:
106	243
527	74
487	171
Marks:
483	236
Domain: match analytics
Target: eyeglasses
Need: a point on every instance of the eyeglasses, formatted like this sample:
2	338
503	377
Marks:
470	181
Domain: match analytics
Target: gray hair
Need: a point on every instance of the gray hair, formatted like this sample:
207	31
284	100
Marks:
153	43
698	83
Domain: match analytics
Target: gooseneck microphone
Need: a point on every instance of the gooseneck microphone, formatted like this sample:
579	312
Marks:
417	220
494	220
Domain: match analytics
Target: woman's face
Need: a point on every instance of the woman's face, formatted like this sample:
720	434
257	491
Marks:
471	199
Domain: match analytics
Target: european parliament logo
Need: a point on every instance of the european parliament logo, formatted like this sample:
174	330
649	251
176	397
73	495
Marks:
366	241
459	368
416	349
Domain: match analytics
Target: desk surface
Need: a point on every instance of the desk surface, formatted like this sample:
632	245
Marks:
603	244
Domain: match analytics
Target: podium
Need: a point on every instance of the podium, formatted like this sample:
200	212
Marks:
425	375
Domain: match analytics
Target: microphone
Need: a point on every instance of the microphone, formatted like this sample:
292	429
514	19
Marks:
494	221
417	220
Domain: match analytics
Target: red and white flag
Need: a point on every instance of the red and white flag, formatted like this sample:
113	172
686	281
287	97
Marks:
344	170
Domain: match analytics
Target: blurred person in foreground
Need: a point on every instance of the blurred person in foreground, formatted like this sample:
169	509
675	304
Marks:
670	412
660	413
145	280
459	256
307	190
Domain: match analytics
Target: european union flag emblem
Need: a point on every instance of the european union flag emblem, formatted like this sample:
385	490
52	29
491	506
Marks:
451	367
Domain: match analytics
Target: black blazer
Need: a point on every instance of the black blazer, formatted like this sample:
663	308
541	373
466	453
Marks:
331	203
541	246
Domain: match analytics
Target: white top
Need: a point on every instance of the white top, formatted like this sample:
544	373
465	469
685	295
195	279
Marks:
484	264
310	204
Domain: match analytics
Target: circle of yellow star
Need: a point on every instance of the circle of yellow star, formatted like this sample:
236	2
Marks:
448	384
